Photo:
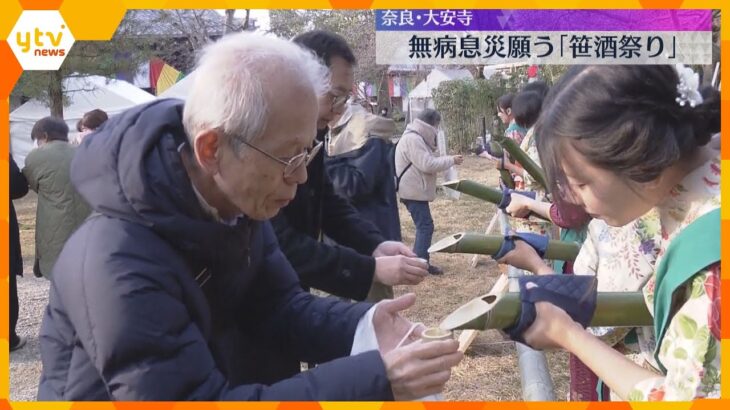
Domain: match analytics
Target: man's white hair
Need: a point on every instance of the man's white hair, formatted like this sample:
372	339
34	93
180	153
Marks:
227	93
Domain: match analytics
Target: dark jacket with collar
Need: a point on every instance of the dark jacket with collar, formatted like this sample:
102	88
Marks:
151	300
359	162
345	269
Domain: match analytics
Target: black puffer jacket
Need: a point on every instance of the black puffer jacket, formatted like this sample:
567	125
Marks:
132	316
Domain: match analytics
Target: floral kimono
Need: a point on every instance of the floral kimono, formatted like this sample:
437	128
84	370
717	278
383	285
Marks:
515	132
623	260
529	146
687	361
688	335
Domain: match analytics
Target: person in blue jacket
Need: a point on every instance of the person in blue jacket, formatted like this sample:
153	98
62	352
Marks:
176	289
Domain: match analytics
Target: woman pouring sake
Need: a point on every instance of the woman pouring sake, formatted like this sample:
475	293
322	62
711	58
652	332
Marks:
620	141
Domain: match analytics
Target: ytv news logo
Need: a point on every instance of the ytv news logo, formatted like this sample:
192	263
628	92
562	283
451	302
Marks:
40	40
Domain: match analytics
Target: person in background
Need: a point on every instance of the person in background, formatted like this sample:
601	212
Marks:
362	257
89	123
504	111
60	208
18	189
416	165
514	132
359	162
526	109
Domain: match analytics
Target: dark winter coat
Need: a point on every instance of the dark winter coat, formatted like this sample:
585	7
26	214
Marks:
151	300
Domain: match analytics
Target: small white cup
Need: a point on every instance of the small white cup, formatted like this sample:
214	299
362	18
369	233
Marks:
433	334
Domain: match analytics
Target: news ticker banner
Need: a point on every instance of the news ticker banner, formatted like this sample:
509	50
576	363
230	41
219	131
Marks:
490	37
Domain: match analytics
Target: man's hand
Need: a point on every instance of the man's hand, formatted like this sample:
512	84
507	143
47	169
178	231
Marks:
390	327
414	369
400	270
421	369
392	248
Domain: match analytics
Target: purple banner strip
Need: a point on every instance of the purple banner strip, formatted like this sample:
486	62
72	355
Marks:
543	20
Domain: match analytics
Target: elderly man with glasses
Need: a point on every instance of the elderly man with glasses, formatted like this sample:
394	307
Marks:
176	289
364	263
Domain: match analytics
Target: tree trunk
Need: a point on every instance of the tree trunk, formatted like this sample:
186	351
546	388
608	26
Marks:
230	25
245	20
55	93
229	20
383	92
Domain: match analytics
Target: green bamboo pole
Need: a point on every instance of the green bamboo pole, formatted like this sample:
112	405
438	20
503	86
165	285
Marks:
496	148
482	192
613	309
503	173
527	163
476	190
466	242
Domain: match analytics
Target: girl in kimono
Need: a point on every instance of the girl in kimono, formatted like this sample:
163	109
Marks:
526	110
504	112
623	142
514	132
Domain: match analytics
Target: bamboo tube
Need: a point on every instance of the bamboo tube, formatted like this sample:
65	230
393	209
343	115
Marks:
465	242
492	311
496	151
482	192
476	190
527	163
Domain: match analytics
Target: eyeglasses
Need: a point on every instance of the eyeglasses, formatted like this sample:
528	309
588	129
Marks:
339	101
292	164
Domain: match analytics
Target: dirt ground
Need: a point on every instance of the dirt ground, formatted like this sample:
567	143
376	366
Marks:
489	371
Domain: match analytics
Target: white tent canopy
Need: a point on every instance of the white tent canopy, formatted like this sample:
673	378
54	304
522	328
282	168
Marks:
421	96
180	89
84	94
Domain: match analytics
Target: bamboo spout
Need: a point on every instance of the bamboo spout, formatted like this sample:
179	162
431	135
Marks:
465	242
494	311
476	190
480	191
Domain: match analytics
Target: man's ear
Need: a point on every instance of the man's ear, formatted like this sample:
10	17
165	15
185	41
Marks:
206	145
